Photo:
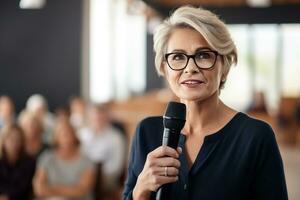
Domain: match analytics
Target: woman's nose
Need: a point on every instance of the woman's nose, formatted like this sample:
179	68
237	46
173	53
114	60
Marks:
191	67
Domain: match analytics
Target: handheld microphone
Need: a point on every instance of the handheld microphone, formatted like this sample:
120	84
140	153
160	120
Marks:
173	121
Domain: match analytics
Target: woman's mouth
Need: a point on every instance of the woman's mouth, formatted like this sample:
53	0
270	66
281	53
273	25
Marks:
192	82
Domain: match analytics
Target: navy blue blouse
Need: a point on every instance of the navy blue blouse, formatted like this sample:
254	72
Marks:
239	162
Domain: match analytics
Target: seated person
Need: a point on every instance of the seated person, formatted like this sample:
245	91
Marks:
7	111
16	168
77	112
104	144
64	173
33	130
37	105
258	104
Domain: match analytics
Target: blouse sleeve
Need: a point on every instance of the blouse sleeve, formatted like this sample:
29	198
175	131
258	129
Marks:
269	182
131	175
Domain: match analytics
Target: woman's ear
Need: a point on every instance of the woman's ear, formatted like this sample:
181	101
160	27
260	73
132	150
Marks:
164	70
223	78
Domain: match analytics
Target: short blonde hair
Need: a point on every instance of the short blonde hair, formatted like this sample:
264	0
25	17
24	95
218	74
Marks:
207	24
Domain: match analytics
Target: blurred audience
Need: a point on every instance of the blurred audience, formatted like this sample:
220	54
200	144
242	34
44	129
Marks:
16	168
7	111
62	114
33	130
64	173
259	103
37	105
104	144
77	112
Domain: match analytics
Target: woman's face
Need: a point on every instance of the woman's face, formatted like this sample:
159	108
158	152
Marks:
98	119
32	128
13	142
192	83
65	137
6	107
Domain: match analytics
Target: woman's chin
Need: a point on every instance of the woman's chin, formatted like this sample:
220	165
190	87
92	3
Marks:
195	97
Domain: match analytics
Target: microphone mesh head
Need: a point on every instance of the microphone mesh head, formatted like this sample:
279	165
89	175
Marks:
176	110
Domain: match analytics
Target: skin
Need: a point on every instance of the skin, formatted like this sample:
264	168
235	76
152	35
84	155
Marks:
33	135
12	146
98	119
6	109
206	113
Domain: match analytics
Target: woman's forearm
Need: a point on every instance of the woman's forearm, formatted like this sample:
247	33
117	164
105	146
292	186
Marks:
138	194
70	191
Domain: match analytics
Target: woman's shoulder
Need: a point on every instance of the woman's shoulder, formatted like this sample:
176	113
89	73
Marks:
148	134
152	122
47	156
255	122
48	153
150	125
254	127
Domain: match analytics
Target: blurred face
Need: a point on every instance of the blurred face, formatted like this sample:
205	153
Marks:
192	83
98	119
65	137
32	128
13	143
6	107
40	111
77	106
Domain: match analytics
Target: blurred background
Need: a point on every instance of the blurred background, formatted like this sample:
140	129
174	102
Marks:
90	64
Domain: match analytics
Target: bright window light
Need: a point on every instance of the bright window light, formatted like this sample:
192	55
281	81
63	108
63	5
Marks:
291	61
100	51
117	51
32	4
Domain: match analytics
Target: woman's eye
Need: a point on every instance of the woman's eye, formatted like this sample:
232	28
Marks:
203	55
178	57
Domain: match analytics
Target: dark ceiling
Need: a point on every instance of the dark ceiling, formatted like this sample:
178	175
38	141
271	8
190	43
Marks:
236	11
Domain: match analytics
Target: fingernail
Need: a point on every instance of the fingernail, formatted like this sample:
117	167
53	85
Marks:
180	149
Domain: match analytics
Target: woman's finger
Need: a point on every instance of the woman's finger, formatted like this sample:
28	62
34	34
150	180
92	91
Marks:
164	151
166	162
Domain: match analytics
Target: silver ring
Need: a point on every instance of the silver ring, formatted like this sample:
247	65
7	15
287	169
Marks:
166	171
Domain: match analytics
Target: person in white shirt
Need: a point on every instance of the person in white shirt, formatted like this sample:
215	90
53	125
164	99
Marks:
104	144
77	112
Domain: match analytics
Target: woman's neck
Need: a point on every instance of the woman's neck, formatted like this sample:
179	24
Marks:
204	117
33	146
12	158
67	153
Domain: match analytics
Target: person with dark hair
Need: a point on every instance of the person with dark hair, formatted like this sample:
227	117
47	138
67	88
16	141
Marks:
64	172
16	167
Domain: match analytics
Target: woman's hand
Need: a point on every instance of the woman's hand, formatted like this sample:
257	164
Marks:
161	167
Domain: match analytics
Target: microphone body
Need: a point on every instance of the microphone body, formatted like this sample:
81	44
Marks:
173	120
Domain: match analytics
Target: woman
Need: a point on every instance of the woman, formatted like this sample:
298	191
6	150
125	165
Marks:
7	111
33	130
16	168
105	145
222	154
64	173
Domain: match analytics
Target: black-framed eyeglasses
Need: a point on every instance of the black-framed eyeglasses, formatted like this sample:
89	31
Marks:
203	59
